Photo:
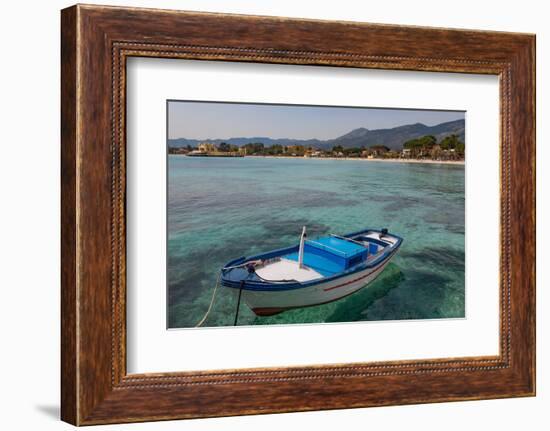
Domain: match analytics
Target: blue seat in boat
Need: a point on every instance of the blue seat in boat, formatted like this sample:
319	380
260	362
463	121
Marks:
322	265
330	255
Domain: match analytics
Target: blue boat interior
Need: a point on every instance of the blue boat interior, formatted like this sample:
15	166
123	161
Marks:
331	255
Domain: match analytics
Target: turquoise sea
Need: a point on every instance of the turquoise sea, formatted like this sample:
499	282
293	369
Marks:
224	208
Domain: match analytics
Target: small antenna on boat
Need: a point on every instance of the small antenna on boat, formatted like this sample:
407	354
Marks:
301	250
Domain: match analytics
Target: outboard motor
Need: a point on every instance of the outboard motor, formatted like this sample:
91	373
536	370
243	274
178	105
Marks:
383	233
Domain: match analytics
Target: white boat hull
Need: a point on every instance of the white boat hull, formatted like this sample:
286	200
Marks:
265	302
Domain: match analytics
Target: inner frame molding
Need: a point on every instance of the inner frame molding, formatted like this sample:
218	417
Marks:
96	42
121	52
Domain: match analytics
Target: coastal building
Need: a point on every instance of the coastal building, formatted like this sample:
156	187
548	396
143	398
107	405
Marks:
313	153
207	147
378	150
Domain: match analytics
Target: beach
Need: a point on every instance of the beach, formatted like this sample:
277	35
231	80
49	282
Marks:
356	159
359	159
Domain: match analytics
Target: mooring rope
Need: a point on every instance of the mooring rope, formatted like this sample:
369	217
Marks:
216	289
211	302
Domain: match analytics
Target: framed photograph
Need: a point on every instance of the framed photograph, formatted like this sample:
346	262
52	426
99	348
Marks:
261	193
326	214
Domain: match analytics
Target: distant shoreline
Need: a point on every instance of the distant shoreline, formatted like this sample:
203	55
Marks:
424	161
443	162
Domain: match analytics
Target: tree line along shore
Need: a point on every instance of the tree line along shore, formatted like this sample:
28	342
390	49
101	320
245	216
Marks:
449	148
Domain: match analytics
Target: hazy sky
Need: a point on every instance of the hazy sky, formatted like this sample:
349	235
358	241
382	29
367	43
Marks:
207	120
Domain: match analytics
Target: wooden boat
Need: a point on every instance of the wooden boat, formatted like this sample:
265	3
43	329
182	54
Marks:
312	272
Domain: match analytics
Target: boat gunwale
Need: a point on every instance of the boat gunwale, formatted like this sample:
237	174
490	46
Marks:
275	285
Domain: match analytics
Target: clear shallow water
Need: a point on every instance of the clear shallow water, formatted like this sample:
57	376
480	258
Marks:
220	209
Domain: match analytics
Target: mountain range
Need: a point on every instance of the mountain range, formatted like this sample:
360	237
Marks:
393	138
